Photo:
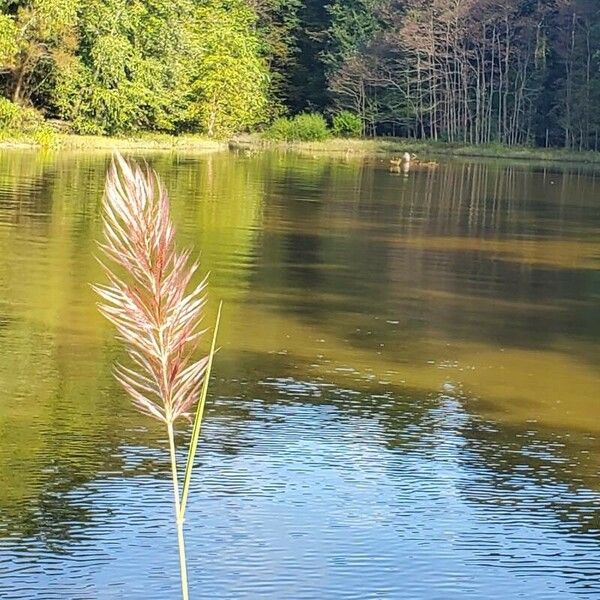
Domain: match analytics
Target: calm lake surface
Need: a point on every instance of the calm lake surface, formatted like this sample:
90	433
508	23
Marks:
406	403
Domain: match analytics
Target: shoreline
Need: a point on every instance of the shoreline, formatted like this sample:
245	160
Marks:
62	141
377	147
386	147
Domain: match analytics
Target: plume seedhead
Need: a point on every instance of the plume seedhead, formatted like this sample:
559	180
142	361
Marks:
146	298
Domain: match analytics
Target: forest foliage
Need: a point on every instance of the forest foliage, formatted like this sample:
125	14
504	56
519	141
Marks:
471	71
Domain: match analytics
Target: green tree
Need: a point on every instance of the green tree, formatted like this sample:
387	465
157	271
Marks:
573	87
308	77
9	43
278	25
352	61
229	88
34	35
130	72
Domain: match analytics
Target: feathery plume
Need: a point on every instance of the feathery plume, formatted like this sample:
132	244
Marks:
155	318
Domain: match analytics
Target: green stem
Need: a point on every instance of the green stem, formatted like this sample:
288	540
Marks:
178	514
198	420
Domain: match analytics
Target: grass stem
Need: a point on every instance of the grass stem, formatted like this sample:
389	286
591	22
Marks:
178	515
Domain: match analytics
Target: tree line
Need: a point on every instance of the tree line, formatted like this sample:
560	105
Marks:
474	71
470	71
113	66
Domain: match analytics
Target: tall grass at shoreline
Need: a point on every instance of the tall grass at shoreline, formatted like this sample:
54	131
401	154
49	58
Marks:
157	318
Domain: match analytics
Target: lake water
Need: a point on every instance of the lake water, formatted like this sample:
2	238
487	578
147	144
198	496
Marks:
405	404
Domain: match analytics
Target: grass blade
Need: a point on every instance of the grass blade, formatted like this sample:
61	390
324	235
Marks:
198	420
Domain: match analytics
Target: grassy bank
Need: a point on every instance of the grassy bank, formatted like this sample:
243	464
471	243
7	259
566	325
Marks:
146	141
380	147
392	147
